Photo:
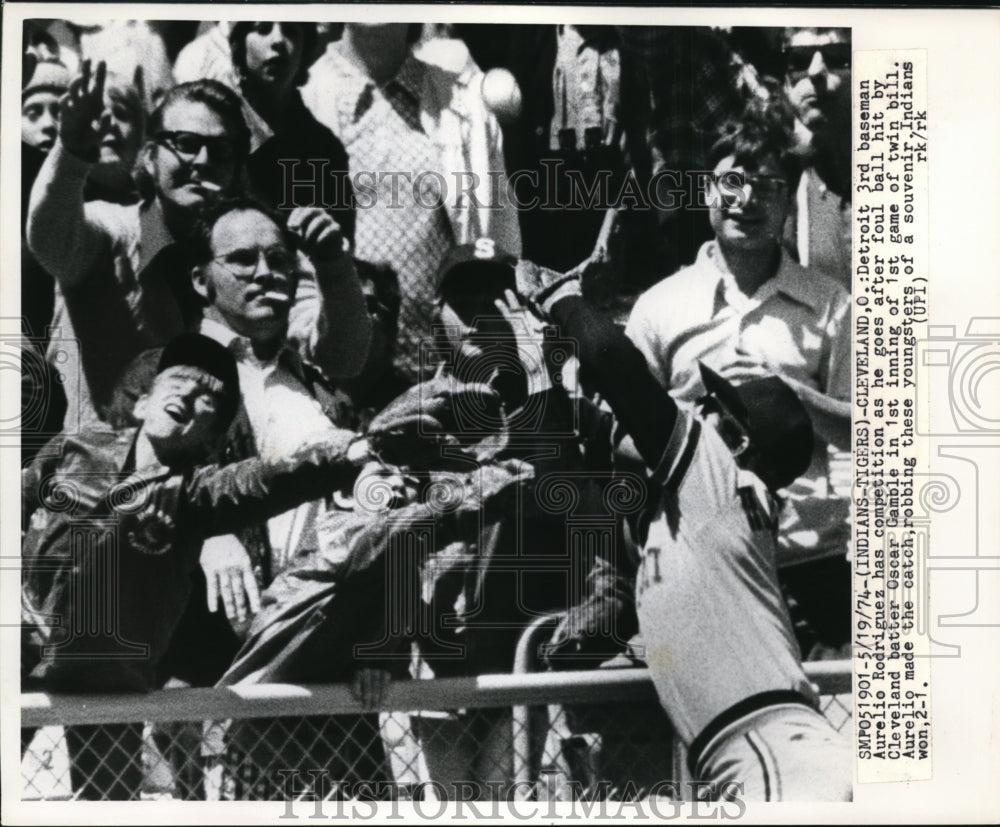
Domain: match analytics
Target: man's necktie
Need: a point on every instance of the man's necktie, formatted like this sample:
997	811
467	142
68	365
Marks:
398	97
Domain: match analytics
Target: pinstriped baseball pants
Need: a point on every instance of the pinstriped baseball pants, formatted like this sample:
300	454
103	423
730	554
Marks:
781	753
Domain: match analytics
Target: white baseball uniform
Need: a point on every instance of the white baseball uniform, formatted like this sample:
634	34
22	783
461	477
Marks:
717	633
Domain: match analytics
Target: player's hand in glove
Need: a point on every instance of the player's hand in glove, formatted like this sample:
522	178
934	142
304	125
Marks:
596	629
543	287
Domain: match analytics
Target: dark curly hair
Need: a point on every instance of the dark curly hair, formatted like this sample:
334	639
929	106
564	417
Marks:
765	127
238	46
216	96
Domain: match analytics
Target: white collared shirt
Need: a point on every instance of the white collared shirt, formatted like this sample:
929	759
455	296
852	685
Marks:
798	321
283	415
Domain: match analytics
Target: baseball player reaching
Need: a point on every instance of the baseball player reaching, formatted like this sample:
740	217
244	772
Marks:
717	633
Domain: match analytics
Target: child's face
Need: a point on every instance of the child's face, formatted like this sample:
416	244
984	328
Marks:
40	120
121	131
379	487
751	214
481	341
180	412
274	53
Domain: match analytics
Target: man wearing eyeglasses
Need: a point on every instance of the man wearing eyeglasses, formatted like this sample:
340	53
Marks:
121	287
247	263
818	83
122	271
747	310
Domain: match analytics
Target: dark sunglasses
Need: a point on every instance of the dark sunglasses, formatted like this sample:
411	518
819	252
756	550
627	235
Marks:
188	145
836	56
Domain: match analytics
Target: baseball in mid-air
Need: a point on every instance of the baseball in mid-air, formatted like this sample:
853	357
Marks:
502	95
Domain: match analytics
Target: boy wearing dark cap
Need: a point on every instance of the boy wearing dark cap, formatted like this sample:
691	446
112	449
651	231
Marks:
716	630
148	505
130	507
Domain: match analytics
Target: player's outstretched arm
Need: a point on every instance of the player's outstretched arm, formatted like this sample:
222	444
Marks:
611	363
618	371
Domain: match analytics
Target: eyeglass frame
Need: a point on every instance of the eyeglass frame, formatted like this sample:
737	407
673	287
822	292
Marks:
248	277
766	187
168	137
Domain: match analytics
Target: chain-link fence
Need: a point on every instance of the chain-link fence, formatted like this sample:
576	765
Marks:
595	734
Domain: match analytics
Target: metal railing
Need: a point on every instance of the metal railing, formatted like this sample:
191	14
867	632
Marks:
270	741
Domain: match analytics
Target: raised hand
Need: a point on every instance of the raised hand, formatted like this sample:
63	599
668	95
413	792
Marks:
80	111
321	237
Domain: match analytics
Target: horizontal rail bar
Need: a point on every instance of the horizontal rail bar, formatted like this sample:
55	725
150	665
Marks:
276	700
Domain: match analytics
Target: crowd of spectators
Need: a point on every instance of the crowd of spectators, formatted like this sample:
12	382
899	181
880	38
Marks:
339	210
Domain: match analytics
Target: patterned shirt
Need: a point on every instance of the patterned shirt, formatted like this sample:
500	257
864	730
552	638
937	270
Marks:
585	86
208	57
401	219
